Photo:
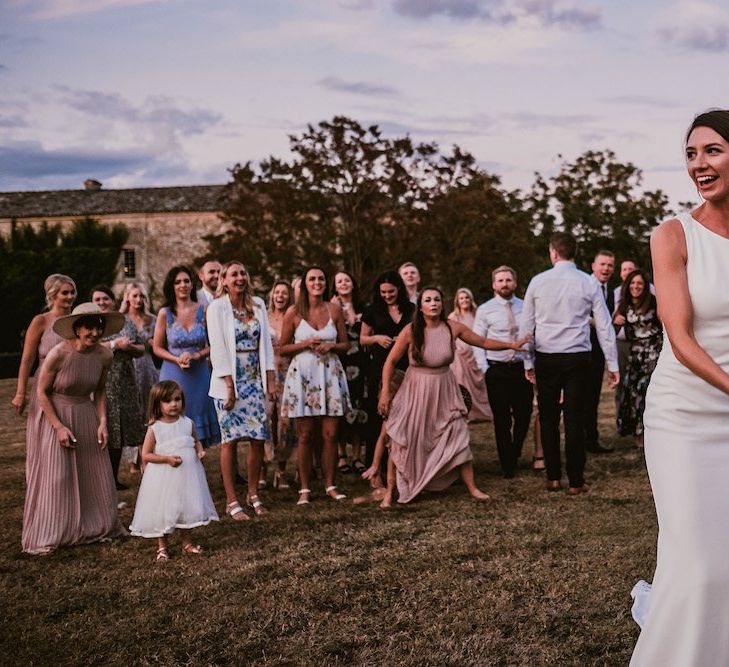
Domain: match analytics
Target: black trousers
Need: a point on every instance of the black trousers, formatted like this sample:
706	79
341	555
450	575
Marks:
592	397
510	397
568	373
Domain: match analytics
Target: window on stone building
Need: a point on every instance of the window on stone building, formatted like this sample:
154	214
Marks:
130	263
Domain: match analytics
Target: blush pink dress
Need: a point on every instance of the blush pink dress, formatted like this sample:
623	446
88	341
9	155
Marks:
469	375
427	423
71	496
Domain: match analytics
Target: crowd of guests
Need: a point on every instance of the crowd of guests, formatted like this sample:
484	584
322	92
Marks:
315	380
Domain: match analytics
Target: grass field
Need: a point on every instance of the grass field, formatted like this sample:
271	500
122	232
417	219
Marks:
528	579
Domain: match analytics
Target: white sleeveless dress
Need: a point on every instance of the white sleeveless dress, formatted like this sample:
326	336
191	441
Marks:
685	617
315	383
170	497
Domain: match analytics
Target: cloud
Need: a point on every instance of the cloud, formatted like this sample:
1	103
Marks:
358	87
503	12
705	38
641	100
12	120
527	120
357	5
54	9
29	159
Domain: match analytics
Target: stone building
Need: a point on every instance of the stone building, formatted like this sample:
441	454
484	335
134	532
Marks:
166	225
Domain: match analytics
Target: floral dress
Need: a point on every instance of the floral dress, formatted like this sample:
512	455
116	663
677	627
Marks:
146	372
315	383
645	334
123	406
283	431
356	362
247	419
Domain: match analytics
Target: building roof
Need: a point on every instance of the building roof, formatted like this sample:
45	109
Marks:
91	202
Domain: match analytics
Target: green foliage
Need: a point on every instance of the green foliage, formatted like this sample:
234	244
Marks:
599	201
88	252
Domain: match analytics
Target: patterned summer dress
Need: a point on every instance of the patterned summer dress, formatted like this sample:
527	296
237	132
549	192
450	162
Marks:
146	372
315	383
248	417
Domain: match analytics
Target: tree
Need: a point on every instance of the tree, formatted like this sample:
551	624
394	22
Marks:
599	201
88	252
350	198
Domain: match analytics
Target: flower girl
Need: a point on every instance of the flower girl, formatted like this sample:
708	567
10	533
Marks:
174	491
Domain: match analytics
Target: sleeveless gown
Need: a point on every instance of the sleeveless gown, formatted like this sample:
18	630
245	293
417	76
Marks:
468	375
315	384
71	495
684	616
427	423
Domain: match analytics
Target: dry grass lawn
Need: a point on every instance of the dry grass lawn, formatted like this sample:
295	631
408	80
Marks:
528	579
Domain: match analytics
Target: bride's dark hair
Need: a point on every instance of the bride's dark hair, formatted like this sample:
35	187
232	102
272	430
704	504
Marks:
715	119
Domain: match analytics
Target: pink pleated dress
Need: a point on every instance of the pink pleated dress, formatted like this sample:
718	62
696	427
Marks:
428	425
71	496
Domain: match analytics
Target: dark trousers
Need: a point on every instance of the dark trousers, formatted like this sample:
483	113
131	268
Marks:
510	398
568	373
592	397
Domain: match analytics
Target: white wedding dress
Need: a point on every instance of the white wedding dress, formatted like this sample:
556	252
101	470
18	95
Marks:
687	453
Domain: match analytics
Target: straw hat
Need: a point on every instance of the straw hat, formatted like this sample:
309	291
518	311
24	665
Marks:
113	321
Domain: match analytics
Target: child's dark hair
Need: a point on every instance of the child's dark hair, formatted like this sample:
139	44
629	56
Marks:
162	391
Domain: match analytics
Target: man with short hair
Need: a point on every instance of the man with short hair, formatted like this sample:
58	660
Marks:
603	268
411	277
209	275
510	394
556	312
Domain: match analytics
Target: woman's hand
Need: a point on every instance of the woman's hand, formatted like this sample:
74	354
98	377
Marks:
519	344
65	437
122	343
174	461
183	361
372	471
312	342
383	405
619	320
230	401
201	454
324	348
102	436
384	341
271	387
18	403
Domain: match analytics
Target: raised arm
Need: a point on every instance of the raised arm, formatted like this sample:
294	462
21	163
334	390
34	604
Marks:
461	331
668	248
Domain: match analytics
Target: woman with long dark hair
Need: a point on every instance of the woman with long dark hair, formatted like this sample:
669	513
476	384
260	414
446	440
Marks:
638	315
389	313
315	393
426	422
180	340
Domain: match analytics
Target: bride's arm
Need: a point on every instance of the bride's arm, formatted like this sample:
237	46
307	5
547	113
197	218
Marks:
668	248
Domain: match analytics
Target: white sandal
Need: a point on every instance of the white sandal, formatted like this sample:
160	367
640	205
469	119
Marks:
338	497
304	501
234	509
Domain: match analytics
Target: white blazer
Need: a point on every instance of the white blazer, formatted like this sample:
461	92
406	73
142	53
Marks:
221	333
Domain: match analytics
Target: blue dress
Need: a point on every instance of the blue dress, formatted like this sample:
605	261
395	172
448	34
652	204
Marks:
248	417
195	380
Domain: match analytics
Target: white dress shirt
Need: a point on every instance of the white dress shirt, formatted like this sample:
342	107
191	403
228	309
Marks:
205	297
493	322
556	311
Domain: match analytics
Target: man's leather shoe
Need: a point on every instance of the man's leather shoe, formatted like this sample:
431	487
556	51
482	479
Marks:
599	449
552	485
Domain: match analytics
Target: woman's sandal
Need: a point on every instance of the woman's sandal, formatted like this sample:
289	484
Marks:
343	466
358	466
235	512
162	555
279	480
256	504
192	549
337	496
304	500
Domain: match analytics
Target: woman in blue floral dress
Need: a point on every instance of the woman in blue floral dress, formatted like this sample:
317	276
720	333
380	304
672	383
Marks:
180	340
241	354
637	314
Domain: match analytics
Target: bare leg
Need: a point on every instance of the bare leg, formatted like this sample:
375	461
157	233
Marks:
227	472
162	554
329	429
255	466
468	479
305	428
391	480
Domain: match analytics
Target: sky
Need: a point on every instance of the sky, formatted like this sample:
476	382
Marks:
141	93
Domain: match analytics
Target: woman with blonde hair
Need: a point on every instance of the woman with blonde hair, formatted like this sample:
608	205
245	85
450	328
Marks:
283	433
241	354
464	365
39	337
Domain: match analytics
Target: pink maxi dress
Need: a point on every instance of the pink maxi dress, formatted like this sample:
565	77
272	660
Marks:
427	423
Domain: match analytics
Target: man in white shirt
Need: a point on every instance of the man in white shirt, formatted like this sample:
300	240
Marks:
411	277
603	267
556	312
510	394
209	275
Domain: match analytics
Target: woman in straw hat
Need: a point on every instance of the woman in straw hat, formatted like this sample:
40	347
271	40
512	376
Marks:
70	497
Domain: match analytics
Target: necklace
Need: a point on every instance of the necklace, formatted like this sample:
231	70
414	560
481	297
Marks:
240	314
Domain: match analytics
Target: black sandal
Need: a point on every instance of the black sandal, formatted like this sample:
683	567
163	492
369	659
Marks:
358	466
343	466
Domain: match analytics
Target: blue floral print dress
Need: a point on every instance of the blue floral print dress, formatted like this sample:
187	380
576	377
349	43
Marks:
247	419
